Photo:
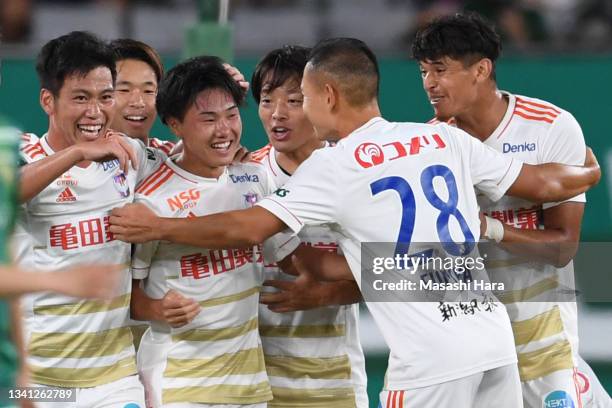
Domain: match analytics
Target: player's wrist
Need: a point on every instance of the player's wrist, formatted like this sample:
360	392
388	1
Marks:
495	229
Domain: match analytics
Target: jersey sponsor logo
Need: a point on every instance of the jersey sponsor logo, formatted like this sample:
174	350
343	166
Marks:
245	178
281	192
215	262
121	184
558	399
184	200
523	218
518	148
109	165
150	154
66	196
370	154
66	180
84	233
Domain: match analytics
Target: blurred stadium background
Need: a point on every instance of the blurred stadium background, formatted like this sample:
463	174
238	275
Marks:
557	50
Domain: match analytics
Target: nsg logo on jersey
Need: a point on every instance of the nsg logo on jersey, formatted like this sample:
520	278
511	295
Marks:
370	154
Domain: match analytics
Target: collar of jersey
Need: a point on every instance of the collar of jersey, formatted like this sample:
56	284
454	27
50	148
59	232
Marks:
195	178
498	132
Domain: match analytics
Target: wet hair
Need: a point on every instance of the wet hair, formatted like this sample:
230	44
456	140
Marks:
351	64
463	37
126	48
76	53
278	66
182	84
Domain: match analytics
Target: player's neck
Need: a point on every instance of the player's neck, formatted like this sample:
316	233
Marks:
289	161
484	116
352	119
195	166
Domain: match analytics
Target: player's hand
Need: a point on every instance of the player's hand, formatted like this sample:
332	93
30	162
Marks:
303	293
178	310
591	163
134	223
90	281
178	148
112	146
242	155
237	76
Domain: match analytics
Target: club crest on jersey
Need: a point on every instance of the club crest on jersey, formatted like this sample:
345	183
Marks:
250	199
121	184
245	178
558	399
370	154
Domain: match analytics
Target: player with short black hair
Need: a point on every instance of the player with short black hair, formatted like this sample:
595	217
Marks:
457	56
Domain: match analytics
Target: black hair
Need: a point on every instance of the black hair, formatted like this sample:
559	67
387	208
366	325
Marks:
181	85
352	64
76	53
463	37
126	48
277	67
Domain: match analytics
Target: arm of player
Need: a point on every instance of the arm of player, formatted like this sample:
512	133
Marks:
232	229
91	281
556	244
36	176
306	292
551	182
174	309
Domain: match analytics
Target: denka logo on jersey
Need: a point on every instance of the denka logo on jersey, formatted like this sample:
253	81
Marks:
370	154
66	196
245	178
109	165
184	200
518	148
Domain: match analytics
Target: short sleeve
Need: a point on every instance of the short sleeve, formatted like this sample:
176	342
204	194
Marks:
142	254
563	143
492	172
149	159
311	196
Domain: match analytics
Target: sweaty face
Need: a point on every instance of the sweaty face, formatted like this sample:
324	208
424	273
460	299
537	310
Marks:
84	106
211	129
283	118
450	86
315	106
135	94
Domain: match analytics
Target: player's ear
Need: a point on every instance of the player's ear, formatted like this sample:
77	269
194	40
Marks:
175	126
484	69
47	101
331	96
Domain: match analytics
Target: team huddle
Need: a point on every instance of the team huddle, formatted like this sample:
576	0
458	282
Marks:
242	272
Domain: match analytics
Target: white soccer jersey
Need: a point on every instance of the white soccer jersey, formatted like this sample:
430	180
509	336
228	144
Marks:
72	342
546	334
361	189
217	358
313	357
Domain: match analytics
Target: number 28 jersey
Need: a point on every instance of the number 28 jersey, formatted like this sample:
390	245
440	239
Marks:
408	182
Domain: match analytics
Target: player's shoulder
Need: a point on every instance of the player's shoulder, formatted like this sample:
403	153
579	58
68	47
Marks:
251	171
165	146
538	111
31	147
157	182
260	154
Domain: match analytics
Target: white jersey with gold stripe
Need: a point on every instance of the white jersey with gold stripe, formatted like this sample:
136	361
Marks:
546	333
314	357
72	342
217	358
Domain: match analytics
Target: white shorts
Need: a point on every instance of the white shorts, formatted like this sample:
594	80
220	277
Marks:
499	388
571	388
127	392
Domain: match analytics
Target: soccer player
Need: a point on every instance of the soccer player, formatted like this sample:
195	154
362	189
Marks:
366	188
314	357
211	354
457	56
76	173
